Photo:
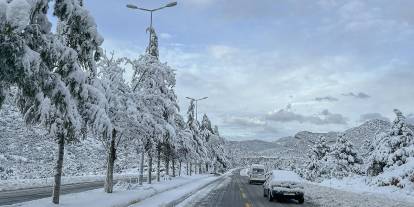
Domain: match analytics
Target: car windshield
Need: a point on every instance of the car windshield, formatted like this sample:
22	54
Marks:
258	171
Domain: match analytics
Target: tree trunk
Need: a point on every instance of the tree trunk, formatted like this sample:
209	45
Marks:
149	168
141	169
173	166
158	164
167	165
58	169
179	172
200	171
191	168
207	167
187	165
109	181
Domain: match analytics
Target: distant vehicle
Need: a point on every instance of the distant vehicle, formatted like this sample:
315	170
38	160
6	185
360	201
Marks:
283	184
257	174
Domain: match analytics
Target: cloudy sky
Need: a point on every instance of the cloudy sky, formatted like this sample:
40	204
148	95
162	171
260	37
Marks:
273	68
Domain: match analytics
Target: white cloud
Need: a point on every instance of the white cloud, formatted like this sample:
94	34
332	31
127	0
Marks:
323	118
165	36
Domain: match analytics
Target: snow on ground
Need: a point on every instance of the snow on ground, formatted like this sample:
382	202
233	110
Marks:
328	197
174	196
126	194
190	201
360	184
244	172
44	182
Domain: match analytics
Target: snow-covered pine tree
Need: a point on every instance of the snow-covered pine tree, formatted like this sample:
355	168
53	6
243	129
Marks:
51	83
80	33
216	143
206	132
316	156
184	143
392	148
343	159
200	150
153	86
118	94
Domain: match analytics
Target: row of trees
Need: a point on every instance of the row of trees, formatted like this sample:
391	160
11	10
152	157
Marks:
386	152
67	84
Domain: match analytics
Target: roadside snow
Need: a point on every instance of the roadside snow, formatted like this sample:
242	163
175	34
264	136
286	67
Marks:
193	199
169	198
45	182
360	184
328	197
244	172
124	194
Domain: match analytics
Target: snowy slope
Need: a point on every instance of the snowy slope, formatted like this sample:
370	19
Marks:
28	153
295	148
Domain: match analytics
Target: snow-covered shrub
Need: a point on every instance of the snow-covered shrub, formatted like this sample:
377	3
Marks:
338	161
393	148
400	176
343	159
316	159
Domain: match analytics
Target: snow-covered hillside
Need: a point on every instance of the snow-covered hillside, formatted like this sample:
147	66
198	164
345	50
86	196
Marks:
295	148
27	152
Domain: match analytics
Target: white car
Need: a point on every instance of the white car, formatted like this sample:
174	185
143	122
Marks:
257	174
283	184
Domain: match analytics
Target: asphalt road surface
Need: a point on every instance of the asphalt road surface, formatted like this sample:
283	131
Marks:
18	196
238	193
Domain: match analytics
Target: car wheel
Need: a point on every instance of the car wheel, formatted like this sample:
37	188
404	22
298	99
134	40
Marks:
301	200
269	196
264	193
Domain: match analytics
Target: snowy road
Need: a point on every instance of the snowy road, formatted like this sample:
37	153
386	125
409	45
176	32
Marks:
19	196
238	193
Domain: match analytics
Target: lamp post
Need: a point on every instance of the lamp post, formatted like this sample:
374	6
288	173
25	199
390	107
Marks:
196	101
132	6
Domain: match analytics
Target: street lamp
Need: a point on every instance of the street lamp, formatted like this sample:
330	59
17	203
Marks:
196	100
132	6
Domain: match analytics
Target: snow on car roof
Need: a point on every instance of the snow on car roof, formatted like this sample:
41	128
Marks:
285	175
257	166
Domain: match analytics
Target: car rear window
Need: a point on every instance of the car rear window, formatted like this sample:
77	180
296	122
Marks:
258	171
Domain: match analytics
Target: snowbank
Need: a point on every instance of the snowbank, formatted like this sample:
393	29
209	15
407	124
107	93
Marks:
361	184
175	196
244	172
194	198
126	194
400	176
45	182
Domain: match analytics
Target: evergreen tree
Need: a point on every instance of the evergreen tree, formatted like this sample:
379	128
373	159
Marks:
200	150
153	86
316	158
53	89
392	148
118	94
343	159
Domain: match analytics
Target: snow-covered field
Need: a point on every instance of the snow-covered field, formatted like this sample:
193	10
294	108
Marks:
126	194
360	184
